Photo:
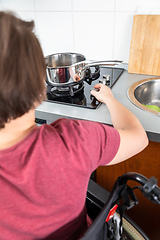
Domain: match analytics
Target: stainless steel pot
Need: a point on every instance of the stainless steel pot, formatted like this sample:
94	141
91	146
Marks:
68	68
64	60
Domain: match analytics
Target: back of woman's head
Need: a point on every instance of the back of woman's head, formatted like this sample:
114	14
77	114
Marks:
22	68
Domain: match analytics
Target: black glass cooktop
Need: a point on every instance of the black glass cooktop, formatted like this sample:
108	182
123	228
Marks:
82	96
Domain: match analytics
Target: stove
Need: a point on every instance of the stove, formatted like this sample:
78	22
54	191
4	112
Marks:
78	94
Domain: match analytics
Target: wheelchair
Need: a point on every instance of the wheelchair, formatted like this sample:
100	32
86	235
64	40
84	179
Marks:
107	210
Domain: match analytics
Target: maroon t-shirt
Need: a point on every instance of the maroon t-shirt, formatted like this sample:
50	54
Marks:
44	179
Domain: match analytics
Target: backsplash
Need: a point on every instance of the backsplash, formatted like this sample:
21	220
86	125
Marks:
98	29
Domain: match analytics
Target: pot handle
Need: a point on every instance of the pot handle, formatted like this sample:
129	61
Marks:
95	75
105	63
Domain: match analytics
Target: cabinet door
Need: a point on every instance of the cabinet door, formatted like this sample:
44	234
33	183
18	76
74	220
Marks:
147	163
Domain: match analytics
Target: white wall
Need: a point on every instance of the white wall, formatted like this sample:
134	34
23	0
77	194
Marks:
99	29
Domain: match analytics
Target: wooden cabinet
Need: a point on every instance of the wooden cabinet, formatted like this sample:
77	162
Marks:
147	163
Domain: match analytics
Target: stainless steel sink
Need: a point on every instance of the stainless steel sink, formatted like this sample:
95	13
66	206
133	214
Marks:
146	92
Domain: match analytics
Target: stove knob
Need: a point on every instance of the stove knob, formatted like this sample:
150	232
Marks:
105	80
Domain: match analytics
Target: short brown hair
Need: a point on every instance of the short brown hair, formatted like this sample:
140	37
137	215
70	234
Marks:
22	68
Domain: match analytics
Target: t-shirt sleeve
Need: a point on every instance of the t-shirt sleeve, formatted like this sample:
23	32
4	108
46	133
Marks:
90	141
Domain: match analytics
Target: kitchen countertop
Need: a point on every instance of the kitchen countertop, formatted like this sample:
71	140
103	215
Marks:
151	123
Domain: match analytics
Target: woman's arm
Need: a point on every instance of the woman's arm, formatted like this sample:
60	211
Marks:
133	138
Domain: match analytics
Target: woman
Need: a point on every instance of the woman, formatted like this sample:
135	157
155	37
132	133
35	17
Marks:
44	171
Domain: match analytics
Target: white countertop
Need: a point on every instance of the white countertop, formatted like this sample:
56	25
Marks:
151	123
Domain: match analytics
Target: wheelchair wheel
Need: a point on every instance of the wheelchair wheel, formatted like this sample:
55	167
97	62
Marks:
131	231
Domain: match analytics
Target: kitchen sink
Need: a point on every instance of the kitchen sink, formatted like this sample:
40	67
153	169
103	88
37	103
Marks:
145	94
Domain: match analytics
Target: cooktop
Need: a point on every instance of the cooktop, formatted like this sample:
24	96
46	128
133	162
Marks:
81	96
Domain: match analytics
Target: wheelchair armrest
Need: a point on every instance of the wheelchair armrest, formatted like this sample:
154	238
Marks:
97	194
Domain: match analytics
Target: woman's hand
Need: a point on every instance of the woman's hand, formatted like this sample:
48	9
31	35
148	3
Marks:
102	93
